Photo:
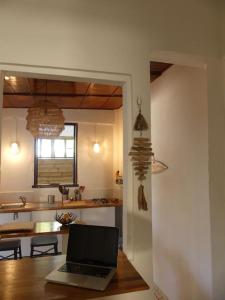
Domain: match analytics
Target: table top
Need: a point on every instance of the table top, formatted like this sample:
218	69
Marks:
41	206
40	228
24	280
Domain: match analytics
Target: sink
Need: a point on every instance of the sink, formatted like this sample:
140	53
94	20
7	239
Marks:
11	205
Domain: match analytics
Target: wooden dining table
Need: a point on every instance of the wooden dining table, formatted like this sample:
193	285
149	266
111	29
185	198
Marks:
25	280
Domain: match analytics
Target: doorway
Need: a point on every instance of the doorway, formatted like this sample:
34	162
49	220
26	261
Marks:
180	196
100	78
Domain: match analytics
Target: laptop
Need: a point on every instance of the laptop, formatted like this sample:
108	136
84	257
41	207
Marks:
91	258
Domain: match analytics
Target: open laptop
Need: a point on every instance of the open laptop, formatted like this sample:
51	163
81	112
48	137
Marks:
91	258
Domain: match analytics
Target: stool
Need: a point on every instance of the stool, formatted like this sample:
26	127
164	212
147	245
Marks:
11	245
39	241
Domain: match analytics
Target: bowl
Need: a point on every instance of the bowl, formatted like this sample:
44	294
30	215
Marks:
65	218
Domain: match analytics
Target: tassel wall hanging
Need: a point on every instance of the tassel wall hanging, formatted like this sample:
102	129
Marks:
141	156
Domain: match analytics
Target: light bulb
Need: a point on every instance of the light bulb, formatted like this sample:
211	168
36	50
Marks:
14	148
96	147
7	78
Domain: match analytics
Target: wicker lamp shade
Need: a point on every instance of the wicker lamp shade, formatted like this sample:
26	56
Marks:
45	120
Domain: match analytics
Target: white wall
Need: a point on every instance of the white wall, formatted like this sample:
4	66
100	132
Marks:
118	151
180	196
121	37
218	204
95	171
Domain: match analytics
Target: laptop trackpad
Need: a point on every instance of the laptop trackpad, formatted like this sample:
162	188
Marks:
67	278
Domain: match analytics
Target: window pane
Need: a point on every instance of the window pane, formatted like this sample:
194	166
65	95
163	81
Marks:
59	148
55	159
69	148
68	131
45	146
38	148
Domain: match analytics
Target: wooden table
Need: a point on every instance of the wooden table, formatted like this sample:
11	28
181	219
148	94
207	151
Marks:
24	280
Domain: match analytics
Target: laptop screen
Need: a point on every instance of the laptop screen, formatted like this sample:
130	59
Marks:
97	245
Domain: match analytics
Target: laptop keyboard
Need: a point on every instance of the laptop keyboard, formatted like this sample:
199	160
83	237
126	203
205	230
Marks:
85	270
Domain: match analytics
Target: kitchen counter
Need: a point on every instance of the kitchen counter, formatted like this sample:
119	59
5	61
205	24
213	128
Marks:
41	206
40	228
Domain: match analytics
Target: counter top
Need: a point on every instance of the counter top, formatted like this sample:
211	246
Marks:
41	206
32	285
40	228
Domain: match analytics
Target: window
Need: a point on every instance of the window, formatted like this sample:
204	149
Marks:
55	159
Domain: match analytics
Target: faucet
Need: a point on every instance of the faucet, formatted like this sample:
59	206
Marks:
23	199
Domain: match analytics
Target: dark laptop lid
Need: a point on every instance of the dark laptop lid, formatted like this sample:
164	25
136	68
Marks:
97	245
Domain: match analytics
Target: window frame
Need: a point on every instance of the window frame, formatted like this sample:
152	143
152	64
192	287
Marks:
74	184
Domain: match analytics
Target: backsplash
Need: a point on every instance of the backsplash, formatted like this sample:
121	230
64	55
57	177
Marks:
41	194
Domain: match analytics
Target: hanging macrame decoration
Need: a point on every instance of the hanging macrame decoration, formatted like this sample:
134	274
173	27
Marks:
141	156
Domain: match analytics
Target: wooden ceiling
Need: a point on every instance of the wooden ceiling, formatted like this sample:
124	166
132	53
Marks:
157	68
20	92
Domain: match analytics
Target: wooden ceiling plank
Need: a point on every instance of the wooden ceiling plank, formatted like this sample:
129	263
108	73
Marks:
113	93
30	84
157	69
57	95
86	92
93	102
102	89
9	86
66	94
114	103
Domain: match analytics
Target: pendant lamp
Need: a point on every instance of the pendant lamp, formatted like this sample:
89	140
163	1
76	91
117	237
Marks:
45	119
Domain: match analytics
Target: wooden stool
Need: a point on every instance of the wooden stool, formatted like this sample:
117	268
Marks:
45	240
11	245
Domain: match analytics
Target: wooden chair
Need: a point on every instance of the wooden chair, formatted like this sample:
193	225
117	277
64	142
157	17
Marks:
11	245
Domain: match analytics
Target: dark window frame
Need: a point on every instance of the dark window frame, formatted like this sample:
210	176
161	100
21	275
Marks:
74	184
